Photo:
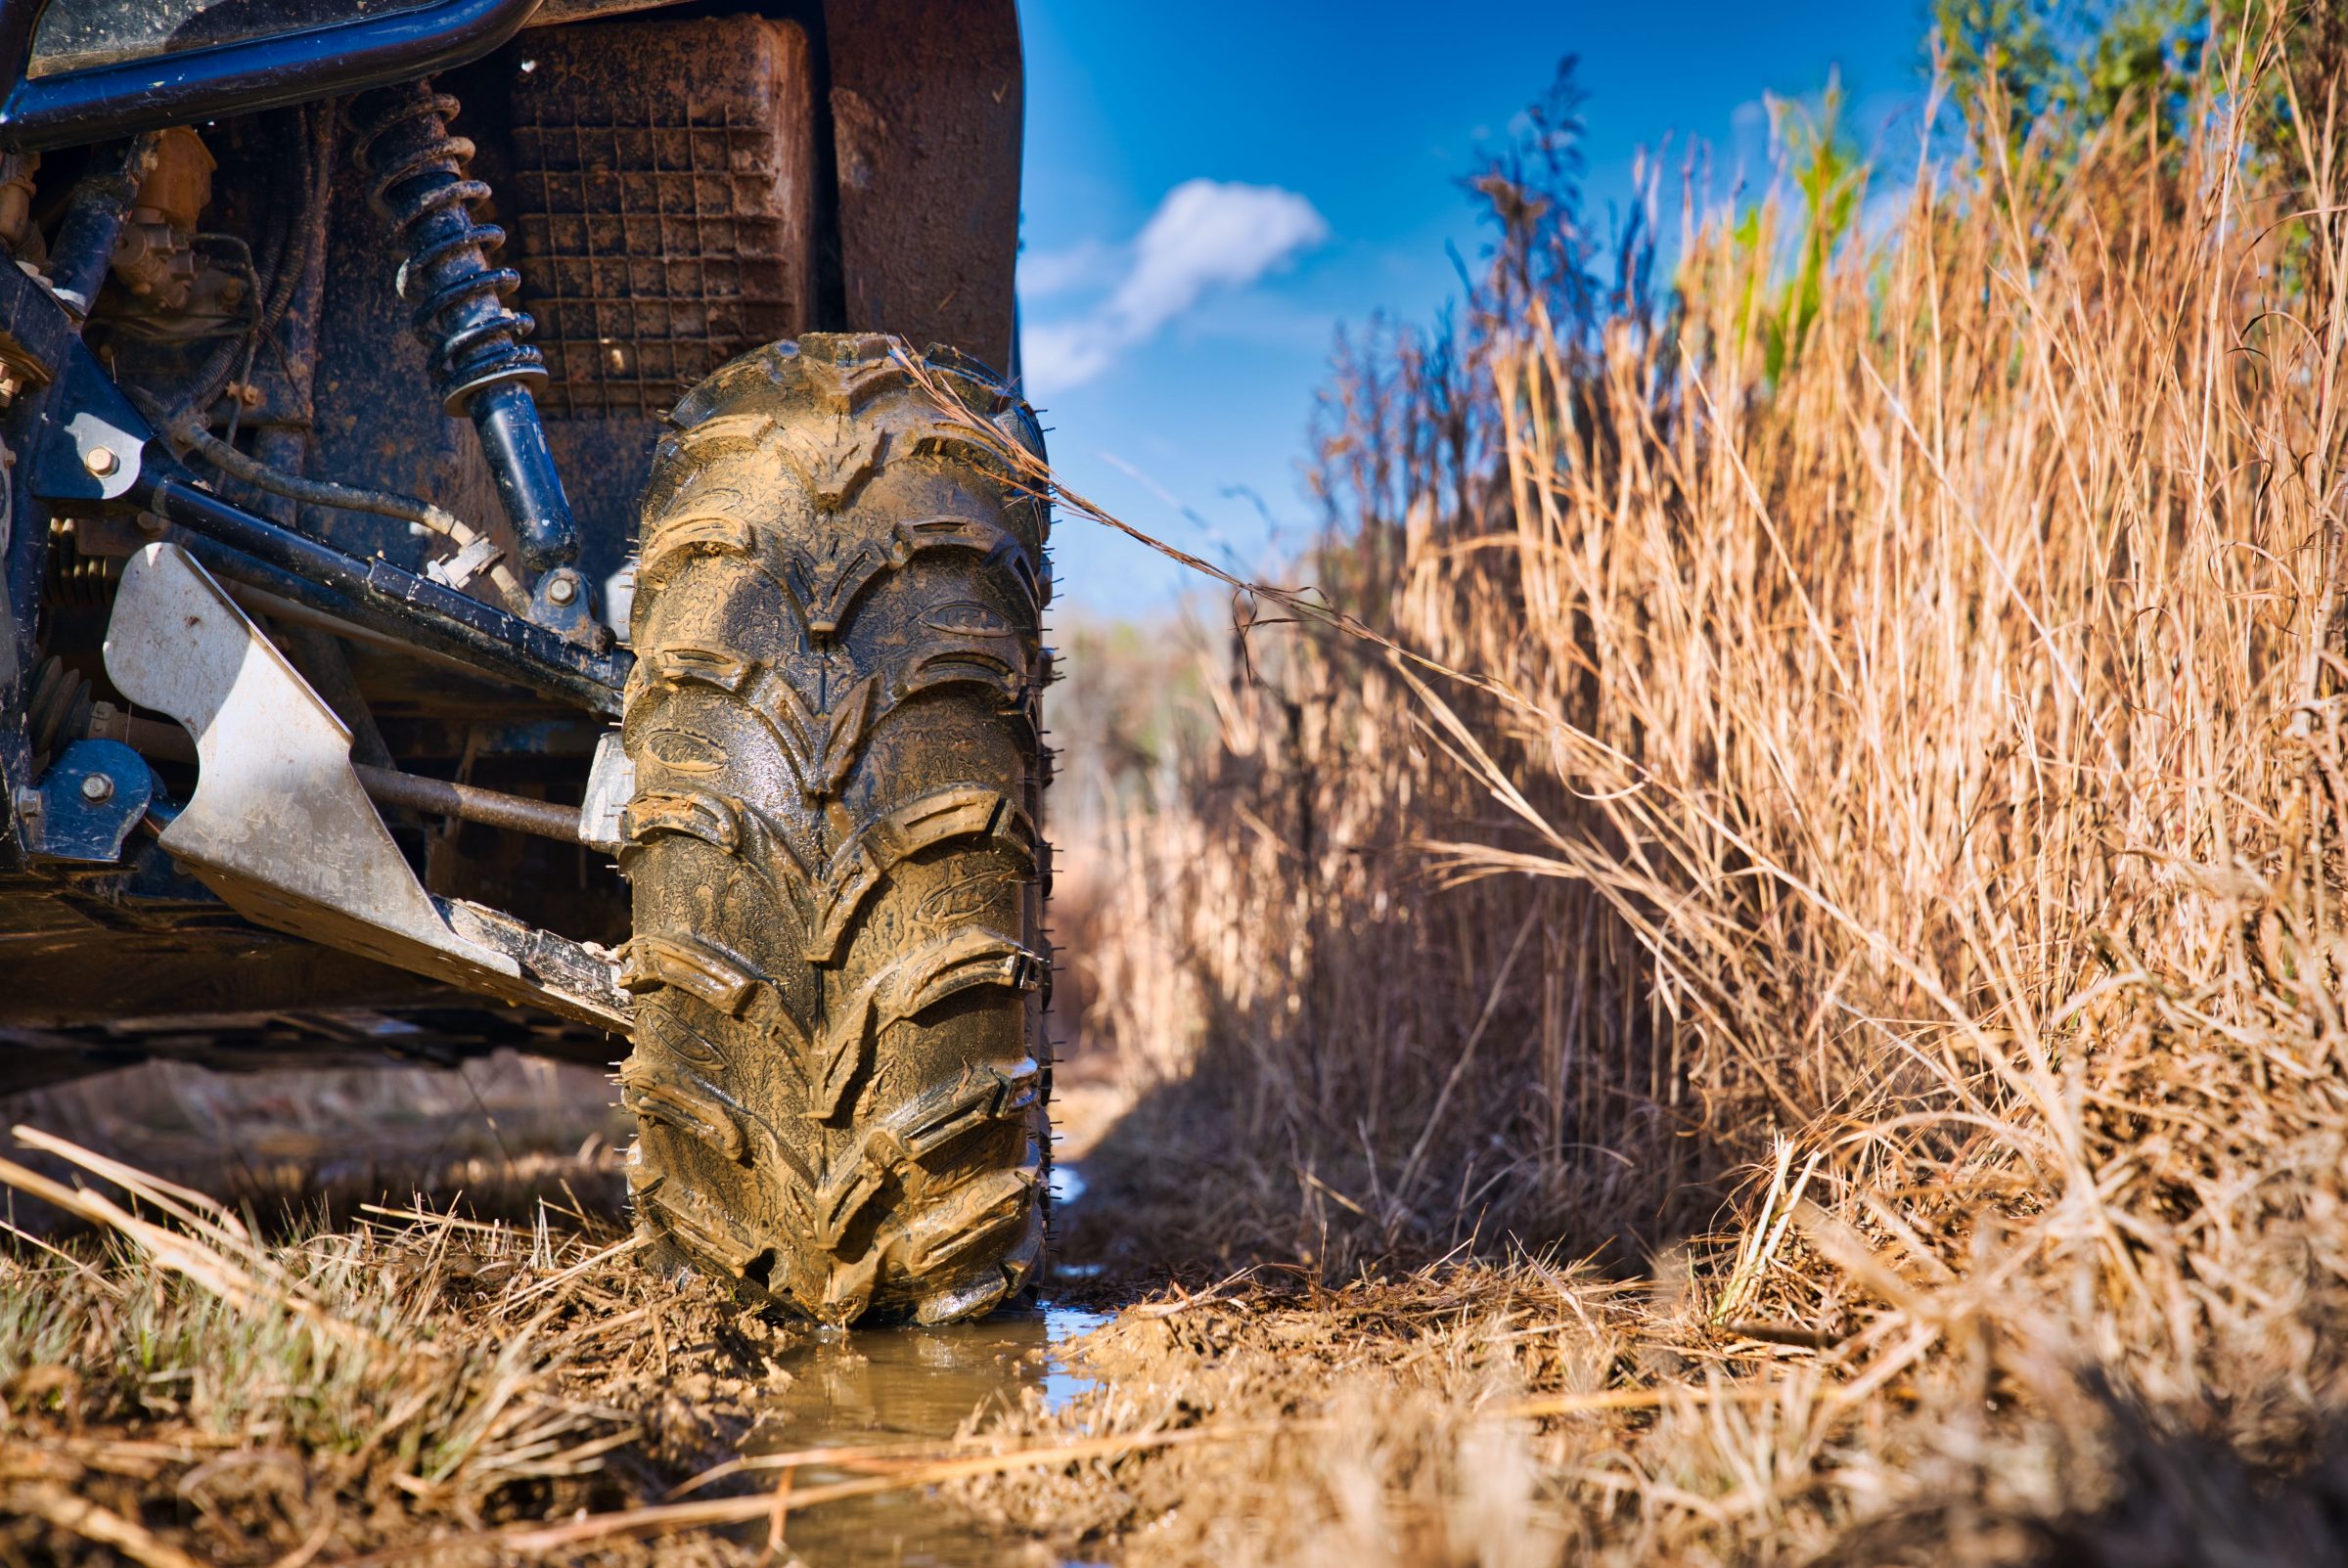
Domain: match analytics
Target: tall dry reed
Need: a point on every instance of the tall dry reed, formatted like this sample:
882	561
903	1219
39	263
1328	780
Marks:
1898	779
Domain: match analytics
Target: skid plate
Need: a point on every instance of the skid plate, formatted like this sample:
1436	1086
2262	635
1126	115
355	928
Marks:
280	825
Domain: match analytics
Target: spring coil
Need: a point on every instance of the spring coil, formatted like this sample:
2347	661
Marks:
473	338
57	712
73	580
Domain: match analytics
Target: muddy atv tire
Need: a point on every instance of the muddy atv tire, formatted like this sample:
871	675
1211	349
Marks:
838	1065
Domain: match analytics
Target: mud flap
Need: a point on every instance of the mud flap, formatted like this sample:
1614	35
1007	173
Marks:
280	825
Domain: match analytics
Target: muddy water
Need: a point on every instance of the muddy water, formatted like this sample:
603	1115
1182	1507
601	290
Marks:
895	1385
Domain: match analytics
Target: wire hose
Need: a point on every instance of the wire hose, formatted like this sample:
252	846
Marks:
285	251
190	432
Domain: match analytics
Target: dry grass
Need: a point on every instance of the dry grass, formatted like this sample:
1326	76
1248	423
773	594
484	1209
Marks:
190	1391
1871	854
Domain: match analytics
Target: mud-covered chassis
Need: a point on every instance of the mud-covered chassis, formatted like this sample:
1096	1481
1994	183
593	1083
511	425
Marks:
367	726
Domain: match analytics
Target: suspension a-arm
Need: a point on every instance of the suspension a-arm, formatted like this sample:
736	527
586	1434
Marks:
94	448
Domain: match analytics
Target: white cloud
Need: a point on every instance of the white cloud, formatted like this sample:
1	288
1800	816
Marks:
1204	236
1061	355
1086	264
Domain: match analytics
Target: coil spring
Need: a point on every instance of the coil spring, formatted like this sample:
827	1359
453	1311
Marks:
472	337
76	580
57	711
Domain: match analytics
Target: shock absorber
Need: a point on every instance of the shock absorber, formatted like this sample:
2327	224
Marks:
479	359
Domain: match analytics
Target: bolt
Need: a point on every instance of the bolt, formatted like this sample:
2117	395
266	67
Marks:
101	461
97	787
561	589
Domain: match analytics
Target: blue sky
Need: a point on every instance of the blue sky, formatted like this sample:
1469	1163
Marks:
1300	162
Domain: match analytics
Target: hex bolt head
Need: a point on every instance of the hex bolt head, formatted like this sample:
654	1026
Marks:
97	787
101	461
561	589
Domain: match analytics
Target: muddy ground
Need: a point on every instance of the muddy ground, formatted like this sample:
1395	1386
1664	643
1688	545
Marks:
481	1372
413	1327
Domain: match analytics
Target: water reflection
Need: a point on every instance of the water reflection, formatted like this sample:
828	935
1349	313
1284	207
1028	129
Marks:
851	1390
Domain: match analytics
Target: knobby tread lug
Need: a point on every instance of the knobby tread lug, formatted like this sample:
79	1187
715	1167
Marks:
698	532
838	1068
687	1103
968	811
712	819
979	1209
822	742
653	962
695	667
908	987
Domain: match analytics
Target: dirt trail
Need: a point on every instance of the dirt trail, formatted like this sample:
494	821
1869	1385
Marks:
416	1384
435	1378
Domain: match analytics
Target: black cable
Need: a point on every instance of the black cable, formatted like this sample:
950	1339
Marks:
293	228
252	280
203	389
190	432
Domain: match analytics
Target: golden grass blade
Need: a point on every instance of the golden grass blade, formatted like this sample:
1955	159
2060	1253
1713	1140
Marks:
98	1526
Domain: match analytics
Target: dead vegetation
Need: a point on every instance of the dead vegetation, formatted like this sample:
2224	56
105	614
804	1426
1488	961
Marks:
190	1390
1827	795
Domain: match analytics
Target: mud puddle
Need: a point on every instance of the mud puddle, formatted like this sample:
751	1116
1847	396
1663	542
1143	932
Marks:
893	1385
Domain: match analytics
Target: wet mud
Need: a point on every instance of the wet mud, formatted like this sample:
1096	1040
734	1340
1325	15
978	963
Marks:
865	1388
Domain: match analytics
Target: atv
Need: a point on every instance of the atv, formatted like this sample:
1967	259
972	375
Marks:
485	568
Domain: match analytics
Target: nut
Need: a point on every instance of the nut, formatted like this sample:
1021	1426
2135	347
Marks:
97	787
561	589
101	461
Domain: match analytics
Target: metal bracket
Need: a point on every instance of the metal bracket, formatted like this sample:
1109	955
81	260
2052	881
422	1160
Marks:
460	569
280	825
96	446
87	803
610	786
561	602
